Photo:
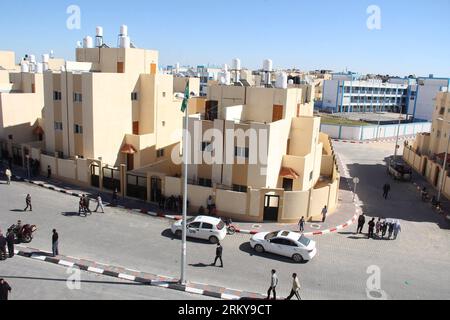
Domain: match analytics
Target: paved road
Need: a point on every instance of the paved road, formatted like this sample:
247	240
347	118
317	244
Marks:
34	280
413	267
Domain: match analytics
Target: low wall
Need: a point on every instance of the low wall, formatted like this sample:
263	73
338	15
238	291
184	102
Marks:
48	161
231	202
67	169
374	132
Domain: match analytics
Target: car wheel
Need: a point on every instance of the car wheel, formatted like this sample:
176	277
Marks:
27	239
213	240
259	248
178	233
297	258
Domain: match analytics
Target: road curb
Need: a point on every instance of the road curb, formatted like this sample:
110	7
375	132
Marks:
372	141
138	276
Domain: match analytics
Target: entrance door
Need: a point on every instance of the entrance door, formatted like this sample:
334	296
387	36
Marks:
288	184
130	162
277	113
156	189
271	206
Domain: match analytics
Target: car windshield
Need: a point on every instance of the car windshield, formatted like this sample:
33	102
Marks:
190	220
270	236
304	240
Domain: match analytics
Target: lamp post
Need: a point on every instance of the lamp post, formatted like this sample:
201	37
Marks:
398	133
444	166
355	182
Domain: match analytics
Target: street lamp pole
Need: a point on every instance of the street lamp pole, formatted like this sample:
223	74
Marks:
398	133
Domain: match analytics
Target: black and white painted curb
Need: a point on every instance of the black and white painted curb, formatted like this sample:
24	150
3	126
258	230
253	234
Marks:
374	141
137	276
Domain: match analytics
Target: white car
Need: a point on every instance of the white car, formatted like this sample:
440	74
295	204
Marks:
202	227
285	243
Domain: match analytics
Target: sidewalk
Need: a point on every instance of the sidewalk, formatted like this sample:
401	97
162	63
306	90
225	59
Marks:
138	276
344	216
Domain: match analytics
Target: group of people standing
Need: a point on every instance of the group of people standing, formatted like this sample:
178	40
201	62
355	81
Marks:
5	242
83	205
380	228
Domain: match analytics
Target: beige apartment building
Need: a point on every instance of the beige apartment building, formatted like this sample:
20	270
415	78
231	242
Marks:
427	152
21	106
297	175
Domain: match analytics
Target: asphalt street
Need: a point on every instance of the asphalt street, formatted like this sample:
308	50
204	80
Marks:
33	280
413	267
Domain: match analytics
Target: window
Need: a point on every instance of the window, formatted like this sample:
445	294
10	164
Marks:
195	225
164	94
241	152
160	153
134	96
57	95
277	241
58	125
77	97
207	226
205	182
238	188
78	129
311	175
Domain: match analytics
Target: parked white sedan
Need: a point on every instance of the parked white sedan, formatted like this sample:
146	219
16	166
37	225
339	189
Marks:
285	243
202	227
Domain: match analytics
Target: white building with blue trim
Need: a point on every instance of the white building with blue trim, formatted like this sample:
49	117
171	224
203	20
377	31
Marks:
348	92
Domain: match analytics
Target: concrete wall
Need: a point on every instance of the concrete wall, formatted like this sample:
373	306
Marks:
67	169
373	132
231	202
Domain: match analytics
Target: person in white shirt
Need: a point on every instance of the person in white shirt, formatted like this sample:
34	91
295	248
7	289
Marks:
8	175
99	204
273	285
295	288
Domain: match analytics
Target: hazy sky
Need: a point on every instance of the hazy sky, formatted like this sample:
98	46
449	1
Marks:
322	34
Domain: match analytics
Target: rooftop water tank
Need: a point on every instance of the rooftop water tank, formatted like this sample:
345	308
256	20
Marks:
39	68
88	42
236	64
45	58
25	67
124	30
281	81
268	65
125	42
32	58
99	31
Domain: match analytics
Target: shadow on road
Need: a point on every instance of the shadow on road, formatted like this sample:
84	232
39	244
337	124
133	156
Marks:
73	214
247	248
168	234
65	280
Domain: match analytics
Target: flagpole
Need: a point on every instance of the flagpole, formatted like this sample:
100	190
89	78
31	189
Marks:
185	192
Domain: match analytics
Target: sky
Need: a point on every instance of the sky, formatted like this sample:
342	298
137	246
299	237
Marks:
414	35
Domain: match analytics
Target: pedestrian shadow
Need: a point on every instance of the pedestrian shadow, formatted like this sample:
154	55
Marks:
73	214
247	248
346	233
17	210
81	281
200	265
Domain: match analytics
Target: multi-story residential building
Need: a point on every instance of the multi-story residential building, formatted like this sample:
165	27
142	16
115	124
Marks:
21	104
290	174
112	104
414	97
427	152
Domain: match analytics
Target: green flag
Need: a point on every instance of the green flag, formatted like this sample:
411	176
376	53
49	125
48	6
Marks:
186	98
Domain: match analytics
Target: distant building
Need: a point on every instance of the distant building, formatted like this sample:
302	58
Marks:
350	93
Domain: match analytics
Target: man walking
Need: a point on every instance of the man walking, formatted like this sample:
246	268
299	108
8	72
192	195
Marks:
49	172
10	242
391	229
28	202
386	190
3	243
301	224
8	175
55	239
295	288
397	229
371	228
99	204
5	289
86	201
324	213
361	223
219	252
273	286
115	198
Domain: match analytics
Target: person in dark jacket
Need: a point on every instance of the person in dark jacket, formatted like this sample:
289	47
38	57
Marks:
115	198
384	227
86	201
361	223
386	190
3	243
219	252
28	203
371	228
391	229
5	289
55	239
10	241
49	172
